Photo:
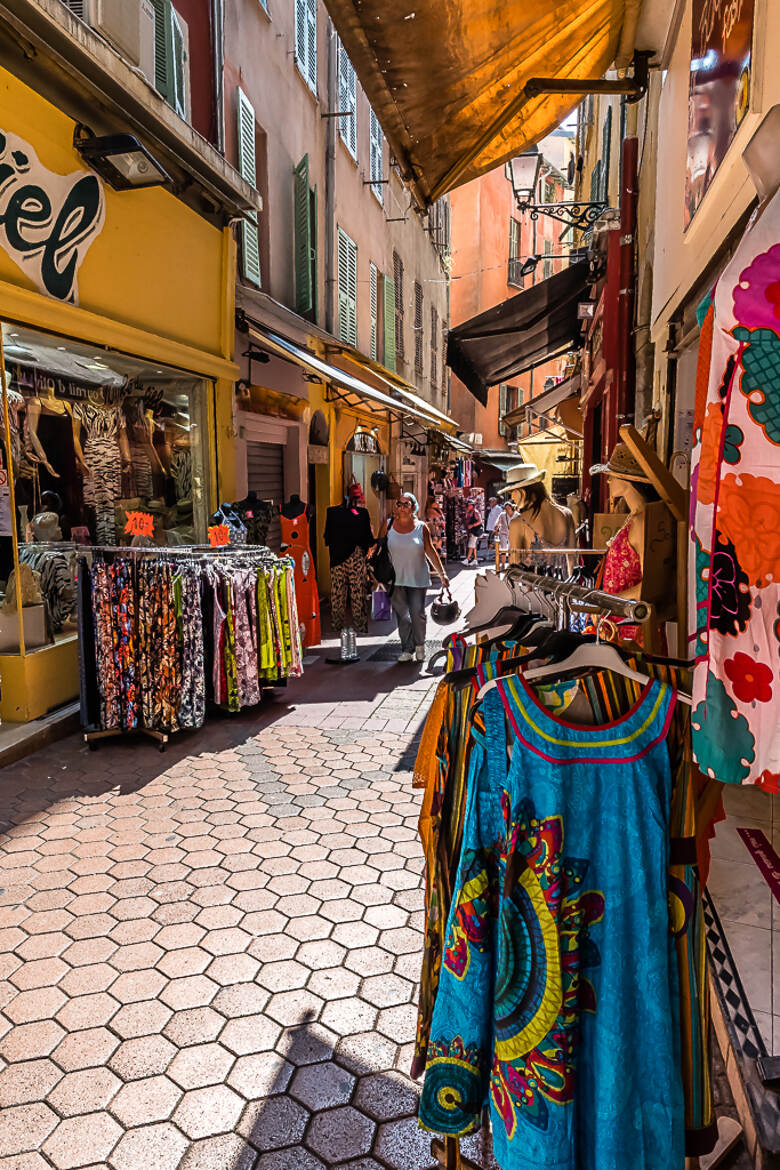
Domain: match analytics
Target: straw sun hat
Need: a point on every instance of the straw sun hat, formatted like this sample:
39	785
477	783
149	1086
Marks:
622	465
521	476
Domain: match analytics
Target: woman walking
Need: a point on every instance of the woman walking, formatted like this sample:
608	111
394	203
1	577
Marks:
501	534
410	547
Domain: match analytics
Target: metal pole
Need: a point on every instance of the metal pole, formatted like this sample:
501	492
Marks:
12	494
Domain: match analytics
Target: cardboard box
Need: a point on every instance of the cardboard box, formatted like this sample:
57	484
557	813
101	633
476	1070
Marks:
605	526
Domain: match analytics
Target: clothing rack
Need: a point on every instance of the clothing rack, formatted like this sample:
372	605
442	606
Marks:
634	610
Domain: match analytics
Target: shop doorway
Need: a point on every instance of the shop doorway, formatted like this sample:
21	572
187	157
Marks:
265	476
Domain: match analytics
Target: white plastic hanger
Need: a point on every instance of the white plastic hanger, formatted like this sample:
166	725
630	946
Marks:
588	656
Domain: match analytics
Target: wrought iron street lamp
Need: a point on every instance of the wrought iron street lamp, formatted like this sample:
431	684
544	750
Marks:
523	173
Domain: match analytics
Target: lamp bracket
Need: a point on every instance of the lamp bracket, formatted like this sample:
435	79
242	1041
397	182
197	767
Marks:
574	214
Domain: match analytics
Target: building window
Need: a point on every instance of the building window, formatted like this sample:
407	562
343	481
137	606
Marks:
347	100
389	318
347	289
398	280
247	165
373	301
306	40
305	244
548	264
549	191
515	262
171	53
376	143
418	328
434	345
507	401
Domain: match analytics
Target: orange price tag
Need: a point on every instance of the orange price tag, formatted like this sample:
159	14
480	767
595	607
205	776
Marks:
219	534
139	524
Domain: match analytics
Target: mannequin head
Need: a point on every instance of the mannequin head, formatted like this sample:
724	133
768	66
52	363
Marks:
636	493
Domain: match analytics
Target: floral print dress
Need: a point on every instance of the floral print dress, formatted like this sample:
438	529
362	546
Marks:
735	518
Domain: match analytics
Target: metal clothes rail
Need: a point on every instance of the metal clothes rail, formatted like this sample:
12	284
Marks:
634	610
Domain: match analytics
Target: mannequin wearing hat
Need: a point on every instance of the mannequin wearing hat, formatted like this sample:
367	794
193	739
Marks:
539	523
624	560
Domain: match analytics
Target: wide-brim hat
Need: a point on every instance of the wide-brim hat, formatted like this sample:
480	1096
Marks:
622	465
520	476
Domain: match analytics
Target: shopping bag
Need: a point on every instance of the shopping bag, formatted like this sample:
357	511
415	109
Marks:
380	606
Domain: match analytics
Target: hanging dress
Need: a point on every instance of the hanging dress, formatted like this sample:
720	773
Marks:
558	1002
103	484
295	535
735	517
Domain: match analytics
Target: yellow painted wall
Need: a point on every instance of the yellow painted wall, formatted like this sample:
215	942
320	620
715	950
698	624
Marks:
158	282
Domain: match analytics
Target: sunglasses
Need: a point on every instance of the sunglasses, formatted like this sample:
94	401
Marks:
403	504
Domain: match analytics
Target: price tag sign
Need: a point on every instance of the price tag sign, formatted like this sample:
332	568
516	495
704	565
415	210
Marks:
6	525
139	524
219	534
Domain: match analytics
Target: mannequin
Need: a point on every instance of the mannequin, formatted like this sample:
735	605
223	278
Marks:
15	409
294	520
348	536
540	523
46	405
106	454
144	461
256	516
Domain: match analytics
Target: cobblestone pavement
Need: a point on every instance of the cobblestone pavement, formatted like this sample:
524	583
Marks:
209	957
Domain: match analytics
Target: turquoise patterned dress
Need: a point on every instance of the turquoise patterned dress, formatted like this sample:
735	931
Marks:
558	1000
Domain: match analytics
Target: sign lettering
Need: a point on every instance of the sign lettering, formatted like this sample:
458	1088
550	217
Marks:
47	221
139	524
219	534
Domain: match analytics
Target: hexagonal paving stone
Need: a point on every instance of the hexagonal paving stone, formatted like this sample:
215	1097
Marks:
386	990
39	1004
334	983
81	1141
193	1026
386	1096
250	1034
141	1019
283	975
86	1091
157	1146
94	977
293	1007
366	1050
200	1065
293	1158
205	1112
25	1127
29	1080
339	1134
31	1040
145	1056
217	1153
402	1144
145	1101
369	961
39	973
260	1075
271	1124
399	1023
190	991
88	1011
228	969
184	961
320	1086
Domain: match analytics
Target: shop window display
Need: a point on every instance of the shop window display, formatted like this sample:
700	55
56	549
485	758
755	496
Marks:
94	435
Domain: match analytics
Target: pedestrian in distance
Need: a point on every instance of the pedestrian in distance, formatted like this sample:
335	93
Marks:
473	533
501	533
411	549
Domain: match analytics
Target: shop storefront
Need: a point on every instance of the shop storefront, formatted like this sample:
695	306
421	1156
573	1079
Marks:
115	309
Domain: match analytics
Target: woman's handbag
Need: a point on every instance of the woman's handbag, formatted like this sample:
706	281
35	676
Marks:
380	565
381	610
445	610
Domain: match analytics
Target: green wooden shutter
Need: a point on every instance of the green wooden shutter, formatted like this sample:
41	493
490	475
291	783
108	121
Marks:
163	48
606	145
178	98
389	300
347	289
373	298
247	165
502	391
304	293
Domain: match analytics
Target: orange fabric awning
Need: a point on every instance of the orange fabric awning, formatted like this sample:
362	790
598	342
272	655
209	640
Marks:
446	77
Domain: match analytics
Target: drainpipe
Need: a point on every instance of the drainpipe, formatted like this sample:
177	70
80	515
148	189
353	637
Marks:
218	64
330	183
626	368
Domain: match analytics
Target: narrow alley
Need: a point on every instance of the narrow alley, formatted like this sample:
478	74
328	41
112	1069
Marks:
210	957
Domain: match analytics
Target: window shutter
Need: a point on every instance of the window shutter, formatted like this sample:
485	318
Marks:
434	345
502	408
398	284
247	166
376	143
347	289
163	48
178	98
303	236
418	328
606	145
311	43
347	99
300	34
373	298
389	303
77	7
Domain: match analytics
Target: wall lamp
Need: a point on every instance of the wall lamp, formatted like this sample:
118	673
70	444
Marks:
120	159
523	173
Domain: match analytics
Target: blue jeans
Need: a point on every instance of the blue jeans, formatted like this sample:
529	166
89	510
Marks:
408	603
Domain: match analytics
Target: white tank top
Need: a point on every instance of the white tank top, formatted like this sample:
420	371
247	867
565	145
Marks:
407	552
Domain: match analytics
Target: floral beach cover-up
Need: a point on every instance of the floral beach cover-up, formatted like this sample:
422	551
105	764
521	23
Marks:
735	518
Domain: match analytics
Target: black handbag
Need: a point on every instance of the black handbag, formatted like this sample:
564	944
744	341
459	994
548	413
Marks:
381	566
445	610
